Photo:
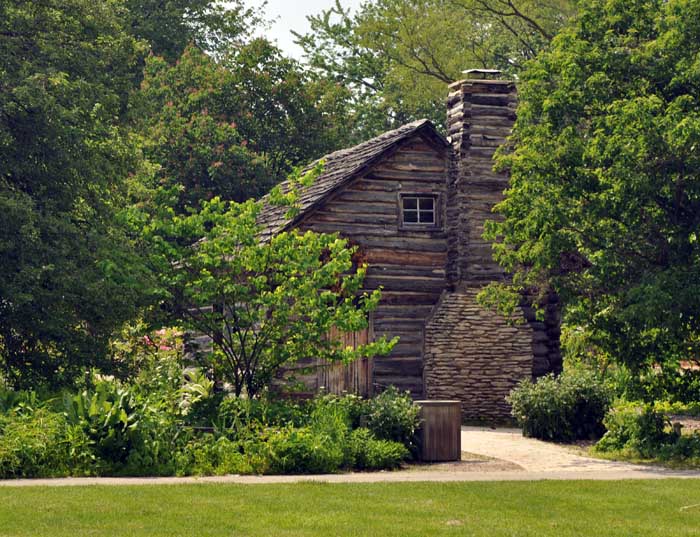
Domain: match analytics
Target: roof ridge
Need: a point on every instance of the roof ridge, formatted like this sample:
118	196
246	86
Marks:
341	166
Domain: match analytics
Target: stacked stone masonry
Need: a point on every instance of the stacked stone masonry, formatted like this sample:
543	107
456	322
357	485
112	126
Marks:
475	356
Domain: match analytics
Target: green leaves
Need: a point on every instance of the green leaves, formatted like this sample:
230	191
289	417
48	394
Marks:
603	202
391	60
68	274
264	303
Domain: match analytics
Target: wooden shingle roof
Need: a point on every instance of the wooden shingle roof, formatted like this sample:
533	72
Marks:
341	167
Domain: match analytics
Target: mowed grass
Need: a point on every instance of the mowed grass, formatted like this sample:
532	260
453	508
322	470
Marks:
546	508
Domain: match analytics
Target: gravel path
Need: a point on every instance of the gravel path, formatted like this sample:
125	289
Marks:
502	455
535	455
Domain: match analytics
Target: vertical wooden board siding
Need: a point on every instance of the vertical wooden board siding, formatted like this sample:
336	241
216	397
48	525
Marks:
352	378
409	265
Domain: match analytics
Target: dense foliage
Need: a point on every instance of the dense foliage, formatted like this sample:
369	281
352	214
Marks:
643	431
604	201
565	408
392	59
68	273
169	27
265	303
113	428
87	136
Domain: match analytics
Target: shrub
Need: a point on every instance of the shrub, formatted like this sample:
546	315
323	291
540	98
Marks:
565	408
642	430
391	415
353	407
667	383
237	414
127	435
41	444
369	453
685	409
208	455
634	426
304	451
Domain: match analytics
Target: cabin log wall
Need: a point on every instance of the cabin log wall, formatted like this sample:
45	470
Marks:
409	265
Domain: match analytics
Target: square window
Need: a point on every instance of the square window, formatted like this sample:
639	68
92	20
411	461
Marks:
426	217
418	210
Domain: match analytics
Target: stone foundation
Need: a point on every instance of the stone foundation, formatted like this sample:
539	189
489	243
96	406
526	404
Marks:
474	355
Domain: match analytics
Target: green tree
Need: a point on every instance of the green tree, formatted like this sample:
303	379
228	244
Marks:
604	200
189	128
68	275
274	301
169	26
280	109
231	128
396	57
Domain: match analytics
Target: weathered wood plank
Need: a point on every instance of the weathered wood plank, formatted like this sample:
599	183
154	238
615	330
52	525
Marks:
398	283
407	298
407	258
349	219
399	367
426	271
410	175
380	184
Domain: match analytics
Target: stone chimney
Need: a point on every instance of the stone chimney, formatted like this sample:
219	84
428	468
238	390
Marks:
480	115
472	354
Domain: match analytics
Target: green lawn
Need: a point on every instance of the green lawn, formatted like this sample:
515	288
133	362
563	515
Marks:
566	508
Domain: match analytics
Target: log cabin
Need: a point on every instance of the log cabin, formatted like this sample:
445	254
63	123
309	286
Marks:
415	202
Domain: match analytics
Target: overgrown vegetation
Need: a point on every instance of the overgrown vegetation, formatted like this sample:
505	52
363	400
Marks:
144	428
603	201
645	432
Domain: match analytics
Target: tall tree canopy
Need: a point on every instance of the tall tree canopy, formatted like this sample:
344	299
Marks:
604	200
169	26
66	68
396	57
189	130
231	128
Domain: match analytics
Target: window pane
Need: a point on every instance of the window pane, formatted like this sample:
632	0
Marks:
410	217
427	217
426	204
410	203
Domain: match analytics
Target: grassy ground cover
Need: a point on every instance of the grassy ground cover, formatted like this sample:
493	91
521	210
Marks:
582	508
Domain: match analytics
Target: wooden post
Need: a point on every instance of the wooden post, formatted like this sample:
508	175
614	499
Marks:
440	438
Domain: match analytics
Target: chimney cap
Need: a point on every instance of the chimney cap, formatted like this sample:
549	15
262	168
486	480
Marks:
483	73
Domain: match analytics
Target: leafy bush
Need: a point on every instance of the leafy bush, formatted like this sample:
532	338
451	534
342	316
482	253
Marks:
565	408
304	451
668	383
127	435
41	444
142	429
391	415
635	427
685	409
238	414
108	417
208	455
369	453
353	407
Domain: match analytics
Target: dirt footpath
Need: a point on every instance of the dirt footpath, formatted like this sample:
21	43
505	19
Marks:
488	455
